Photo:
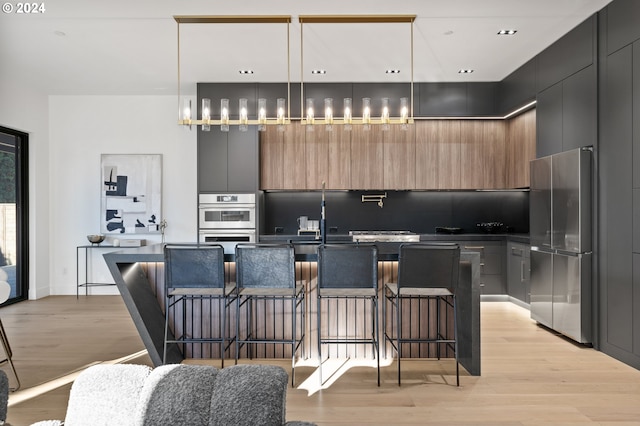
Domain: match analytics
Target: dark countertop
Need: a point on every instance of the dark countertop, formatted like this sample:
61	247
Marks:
336	238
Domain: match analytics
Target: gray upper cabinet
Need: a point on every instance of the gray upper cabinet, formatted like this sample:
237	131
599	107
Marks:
568	55
549	121
622	24
228	161
517	88
579	109
456	99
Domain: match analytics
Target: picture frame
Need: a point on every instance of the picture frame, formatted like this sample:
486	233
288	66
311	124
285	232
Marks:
131	193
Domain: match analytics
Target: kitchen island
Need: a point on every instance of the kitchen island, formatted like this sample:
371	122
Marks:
139	276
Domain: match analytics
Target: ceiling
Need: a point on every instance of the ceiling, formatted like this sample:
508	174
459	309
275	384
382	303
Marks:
122	47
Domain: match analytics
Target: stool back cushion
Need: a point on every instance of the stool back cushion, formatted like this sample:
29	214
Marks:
429	265
265	266
249	395
348	266
194	267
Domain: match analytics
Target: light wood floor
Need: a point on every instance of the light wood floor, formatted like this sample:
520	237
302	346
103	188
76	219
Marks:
530	376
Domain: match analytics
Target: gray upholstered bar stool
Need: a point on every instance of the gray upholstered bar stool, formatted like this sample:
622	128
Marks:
196	273
349	272
425	272
273	301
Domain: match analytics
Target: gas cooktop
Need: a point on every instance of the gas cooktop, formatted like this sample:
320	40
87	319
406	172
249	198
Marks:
384	236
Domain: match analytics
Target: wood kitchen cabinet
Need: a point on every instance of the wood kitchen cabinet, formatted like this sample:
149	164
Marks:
429	155
520	148
328	158
437	154
399	146
367	161
282	153
483	157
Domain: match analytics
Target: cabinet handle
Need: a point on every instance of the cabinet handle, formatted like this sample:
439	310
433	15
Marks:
516	251
522	271
474	247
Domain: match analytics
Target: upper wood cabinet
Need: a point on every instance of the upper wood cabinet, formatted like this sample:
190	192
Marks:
438	154
399	157
367	163
520	148
483	157
429	155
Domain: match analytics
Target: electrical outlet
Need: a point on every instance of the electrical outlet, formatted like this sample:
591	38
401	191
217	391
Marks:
333	229
279	230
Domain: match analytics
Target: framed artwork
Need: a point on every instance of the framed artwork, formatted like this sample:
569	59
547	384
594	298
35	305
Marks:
131	194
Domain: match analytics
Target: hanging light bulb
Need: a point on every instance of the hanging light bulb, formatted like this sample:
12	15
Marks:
328	114
244	115
185	111
262	114
224	115
348	111
366	113
280	114
310	115
384	117
206	114
404	113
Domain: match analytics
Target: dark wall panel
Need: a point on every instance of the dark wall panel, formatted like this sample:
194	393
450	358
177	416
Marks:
617	196
549	121
442	99
579	109
418	212
517	88
568	55
622	24
636	221
481	99
242	159
636	115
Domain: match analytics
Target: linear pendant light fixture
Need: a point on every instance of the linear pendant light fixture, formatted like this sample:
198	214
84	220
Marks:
383	117
283	112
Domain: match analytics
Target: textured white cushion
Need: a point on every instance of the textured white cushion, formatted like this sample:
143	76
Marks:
106	395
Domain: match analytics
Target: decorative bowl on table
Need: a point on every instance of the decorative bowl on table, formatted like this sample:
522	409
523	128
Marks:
95	238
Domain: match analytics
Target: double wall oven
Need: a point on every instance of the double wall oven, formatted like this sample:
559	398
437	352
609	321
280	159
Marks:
227	219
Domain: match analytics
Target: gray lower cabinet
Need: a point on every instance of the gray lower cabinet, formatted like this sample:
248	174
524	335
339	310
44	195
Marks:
518	271
492	265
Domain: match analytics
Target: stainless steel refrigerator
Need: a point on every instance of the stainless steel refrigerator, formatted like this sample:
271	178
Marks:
560	233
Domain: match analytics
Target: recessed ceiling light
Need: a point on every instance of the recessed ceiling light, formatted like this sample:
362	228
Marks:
507	32
246	71
318	71
465	71
393	71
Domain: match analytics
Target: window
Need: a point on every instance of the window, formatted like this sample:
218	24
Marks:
14	213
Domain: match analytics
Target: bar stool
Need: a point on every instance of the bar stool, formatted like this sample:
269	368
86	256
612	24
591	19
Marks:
425	272
266	272
349	272
196	272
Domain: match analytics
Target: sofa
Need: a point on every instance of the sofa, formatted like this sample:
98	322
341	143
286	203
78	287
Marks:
178	394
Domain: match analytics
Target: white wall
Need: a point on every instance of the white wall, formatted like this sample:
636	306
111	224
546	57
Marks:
22	108
84	127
